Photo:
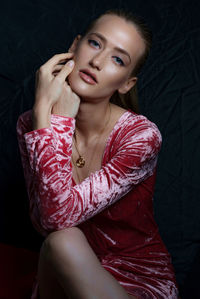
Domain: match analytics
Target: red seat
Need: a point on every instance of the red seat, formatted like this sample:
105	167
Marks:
18	267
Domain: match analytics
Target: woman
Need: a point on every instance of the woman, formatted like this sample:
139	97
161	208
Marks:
90	170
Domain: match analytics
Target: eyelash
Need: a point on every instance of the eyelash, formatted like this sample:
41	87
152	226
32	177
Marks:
119	60
95	43
92	41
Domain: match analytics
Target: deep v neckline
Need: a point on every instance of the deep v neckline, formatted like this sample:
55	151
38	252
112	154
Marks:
121	119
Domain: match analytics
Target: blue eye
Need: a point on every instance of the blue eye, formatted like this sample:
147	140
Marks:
94	43
118	60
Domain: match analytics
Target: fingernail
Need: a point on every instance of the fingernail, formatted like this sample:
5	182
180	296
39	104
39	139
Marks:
70	63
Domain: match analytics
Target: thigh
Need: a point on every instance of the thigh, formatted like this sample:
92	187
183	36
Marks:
48	284
78	269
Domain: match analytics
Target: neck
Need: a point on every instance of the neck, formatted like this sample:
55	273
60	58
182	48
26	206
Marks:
91	118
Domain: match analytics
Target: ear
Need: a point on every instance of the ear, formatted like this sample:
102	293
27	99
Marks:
127	85
74	45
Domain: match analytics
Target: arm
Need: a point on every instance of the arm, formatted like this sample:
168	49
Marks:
52	95
57	204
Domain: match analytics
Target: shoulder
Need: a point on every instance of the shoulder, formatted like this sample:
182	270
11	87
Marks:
135	124
135	130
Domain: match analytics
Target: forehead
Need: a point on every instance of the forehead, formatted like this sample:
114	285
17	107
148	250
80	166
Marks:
120	33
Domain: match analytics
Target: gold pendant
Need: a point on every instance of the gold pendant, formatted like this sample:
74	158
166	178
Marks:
80	162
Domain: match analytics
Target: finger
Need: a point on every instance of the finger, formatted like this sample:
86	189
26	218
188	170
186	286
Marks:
63	61
56	59
55	74
57	68
66	70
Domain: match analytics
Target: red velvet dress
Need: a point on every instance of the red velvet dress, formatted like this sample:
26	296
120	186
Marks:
113	206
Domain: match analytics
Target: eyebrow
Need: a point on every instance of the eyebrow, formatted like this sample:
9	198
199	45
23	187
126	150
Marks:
116	48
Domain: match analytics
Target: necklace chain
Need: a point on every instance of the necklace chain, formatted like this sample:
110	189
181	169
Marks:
76	170
80	162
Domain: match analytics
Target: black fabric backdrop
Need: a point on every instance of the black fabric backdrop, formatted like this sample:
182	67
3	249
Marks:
31	31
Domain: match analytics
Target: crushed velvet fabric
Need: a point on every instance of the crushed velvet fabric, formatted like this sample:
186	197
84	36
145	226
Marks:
113	206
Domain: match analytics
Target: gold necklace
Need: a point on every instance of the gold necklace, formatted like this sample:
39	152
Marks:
80	162
76	170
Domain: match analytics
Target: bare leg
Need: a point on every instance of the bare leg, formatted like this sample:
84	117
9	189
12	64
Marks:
68	268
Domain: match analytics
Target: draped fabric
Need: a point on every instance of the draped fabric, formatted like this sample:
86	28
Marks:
113	206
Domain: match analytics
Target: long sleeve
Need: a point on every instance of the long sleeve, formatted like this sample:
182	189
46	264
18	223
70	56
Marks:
55	203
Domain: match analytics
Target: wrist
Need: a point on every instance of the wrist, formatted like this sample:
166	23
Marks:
61	113
41	117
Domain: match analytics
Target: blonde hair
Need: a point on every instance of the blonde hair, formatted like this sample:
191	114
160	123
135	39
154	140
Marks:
128	100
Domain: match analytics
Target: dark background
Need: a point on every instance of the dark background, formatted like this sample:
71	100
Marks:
32	31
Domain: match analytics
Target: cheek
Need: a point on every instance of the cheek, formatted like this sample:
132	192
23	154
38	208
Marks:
81	54
115	76
73	79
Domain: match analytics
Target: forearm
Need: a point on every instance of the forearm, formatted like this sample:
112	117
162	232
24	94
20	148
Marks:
43	160
41	115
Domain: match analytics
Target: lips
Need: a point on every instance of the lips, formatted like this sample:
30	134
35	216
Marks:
88	76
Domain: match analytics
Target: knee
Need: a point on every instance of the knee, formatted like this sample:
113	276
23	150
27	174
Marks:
62	242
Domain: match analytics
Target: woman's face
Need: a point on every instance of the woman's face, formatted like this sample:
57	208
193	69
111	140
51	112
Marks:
105	58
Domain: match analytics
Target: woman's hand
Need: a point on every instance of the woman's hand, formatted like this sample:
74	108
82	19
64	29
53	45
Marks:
53	94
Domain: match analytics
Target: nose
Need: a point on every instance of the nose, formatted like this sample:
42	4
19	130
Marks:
98	60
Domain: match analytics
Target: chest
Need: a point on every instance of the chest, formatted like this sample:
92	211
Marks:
91	155
92	151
